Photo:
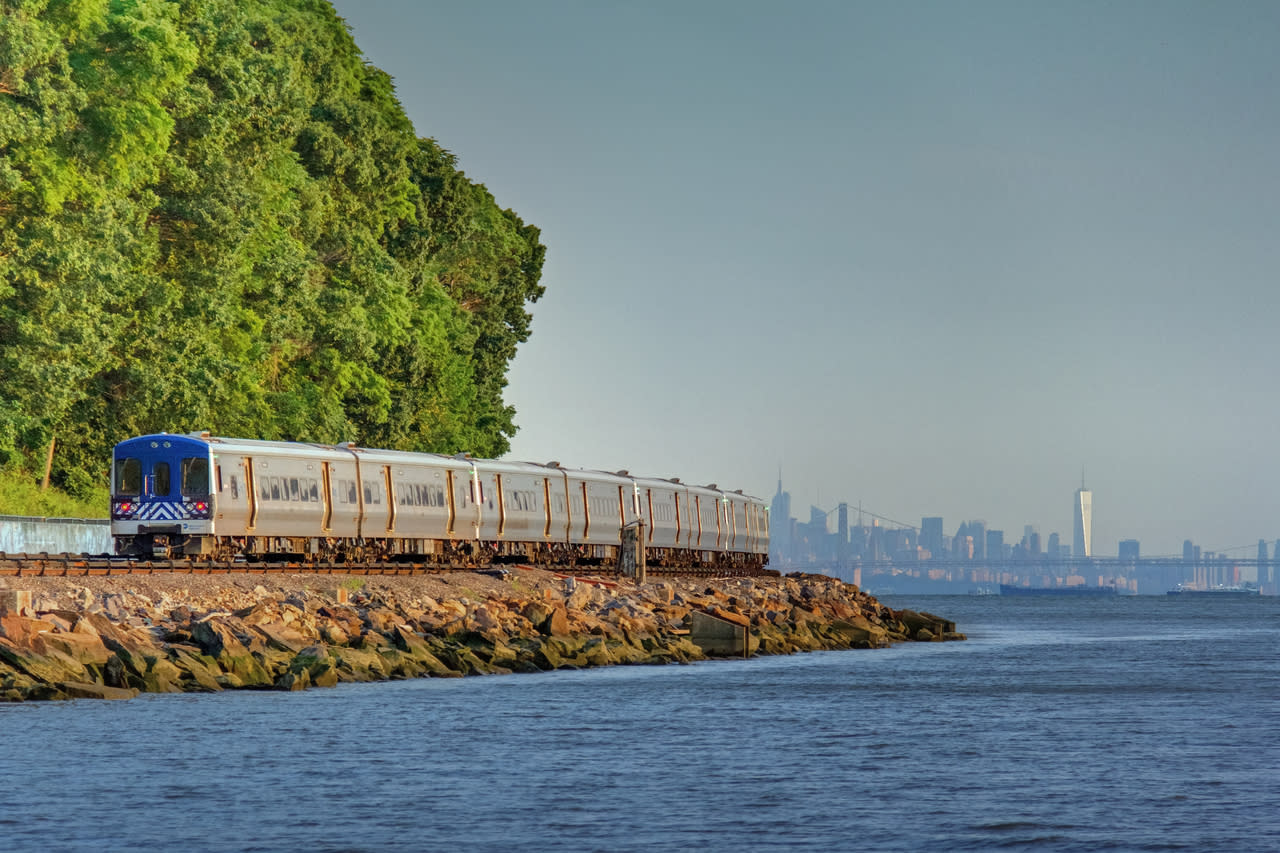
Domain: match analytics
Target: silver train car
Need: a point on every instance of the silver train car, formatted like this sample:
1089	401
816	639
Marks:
219	498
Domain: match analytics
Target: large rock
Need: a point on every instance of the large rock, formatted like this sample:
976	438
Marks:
218	641
416	648
83	648
549	617
197	673
83	690
43	664
22	630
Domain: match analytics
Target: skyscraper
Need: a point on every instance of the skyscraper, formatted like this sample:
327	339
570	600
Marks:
1082	544
780	527
931	536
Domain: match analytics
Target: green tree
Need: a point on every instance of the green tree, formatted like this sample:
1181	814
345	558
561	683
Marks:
216	215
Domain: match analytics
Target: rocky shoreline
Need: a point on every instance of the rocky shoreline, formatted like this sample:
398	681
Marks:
114	637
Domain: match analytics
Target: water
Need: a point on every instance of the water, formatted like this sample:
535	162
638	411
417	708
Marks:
1123	724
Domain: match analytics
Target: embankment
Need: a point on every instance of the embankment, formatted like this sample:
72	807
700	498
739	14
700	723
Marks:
113	637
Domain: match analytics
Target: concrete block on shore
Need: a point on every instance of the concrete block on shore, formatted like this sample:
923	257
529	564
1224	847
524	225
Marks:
717	636
15	601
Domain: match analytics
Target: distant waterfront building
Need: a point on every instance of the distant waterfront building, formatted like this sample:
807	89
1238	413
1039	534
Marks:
780	527
1055	546
1262	563
1129	549
969	543
995	544
978	530
842	535
1188	551
1082	541
931	536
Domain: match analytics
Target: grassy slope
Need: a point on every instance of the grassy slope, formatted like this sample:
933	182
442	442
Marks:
20	495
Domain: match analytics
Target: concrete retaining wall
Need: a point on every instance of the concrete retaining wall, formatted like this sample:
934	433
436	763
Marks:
19	534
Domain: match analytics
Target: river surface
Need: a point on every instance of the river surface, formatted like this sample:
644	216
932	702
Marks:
1144	723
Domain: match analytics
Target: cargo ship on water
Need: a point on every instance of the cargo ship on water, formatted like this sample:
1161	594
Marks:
1218	591
1068	591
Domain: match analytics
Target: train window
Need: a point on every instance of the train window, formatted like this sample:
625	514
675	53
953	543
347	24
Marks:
160	481
275	489
293	489
195	477
235	487
128	477
351	492
315	490
264	488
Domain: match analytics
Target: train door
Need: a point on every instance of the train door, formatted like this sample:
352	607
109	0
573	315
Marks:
722	524
391	498
477	500
546	504
326	487
502	506
448	480
695	530
235	498
734	533
679	524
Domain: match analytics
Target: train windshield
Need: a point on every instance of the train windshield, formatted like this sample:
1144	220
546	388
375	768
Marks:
195	477
128	477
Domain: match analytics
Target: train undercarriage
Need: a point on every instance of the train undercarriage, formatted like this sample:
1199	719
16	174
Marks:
161	543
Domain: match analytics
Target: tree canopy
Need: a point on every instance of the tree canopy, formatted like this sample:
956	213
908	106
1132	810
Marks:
214	214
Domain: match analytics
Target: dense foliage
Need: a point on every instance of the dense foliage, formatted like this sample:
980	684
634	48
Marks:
215	215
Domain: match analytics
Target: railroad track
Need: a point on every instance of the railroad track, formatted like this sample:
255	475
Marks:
101	565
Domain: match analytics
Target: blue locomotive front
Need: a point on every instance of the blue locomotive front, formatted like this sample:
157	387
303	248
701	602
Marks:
161	495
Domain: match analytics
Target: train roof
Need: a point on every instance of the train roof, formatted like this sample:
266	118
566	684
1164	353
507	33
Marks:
307	450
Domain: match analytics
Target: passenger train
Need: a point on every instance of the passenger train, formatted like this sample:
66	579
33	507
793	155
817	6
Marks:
201	496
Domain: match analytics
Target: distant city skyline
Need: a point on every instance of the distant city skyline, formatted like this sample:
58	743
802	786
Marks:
932	530
902	557
927	256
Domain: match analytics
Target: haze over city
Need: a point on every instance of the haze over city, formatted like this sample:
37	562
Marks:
936	258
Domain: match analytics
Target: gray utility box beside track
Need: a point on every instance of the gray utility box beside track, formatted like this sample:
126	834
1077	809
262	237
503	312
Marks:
23	535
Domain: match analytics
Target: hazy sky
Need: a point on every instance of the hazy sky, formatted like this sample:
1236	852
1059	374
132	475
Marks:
933	257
